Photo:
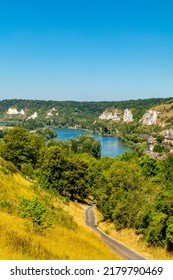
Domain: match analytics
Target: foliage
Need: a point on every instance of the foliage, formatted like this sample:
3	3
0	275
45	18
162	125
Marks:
74	178
52	163
6	205
27	170
151	167
39	213
7	167
158	148
66	173
85	144
21	147
169	232
47	133
156	231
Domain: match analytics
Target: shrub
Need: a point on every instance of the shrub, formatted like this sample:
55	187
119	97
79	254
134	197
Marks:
40	215
6	205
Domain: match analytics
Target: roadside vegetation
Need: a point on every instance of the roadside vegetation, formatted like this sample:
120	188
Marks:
128	237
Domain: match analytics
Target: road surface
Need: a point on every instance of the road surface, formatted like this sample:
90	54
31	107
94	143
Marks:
116	246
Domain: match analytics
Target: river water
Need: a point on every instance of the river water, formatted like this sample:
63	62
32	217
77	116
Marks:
110	146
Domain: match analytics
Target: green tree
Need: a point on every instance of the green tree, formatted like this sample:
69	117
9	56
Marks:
85	144
75	177
169	233
160	138
150	166
67	173
47	133
52	164
158	148
21	147
156	231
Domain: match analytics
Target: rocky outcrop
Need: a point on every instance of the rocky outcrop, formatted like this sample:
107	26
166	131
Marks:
22	112
150	117
117	115
32	117
50	113
110	115
127	117
14	111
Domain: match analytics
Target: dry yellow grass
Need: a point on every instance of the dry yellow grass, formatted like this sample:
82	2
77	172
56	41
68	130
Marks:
165	112
163	107
133	241
14	185
18	241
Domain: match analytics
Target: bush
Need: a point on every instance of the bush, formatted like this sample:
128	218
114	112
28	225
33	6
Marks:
6	205
40	215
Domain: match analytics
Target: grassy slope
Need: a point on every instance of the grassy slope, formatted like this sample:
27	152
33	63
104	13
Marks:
165	112
71	240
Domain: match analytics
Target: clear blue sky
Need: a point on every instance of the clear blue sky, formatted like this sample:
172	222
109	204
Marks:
86	49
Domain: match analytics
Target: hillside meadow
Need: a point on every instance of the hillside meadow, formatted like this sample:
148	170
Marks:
25	211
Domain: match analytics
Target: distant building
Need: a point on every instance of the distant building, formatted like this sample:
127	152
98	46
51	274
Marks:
168	135
149	138
144	136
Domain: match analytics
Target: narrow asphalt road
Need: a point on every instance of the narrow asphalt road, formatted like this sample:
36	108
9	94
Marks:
116	246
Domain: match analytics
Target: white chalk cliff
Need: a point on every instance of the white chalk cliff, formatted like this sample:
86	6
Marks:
110	115
127	117
32	117
50	113
150	117
14	111
22	112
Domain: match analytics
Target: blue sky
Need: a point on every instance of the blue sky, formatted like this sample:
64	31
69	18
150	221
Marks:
86	49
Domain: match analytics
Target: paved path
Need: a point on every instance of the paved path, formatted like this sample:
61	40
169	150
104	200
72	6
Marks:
116	246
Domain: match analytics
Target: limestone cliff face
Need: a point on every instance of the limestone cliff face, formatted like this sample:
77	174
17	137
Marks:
14	111
51	112
22	112
32	117
150	117
127	117
117	115
110	115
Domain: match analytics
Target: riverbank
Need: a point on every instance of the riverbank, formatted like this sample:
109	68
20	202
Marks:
110	145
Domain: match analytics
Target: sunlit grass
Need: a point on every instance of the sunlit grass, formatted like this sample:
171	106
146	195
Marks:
58	243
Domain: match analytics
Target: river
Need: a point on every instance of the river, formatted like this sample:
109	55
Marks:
110	146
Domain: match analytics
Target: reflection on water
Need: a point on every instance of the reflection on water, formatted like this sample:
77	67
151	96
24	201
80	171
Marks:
111	146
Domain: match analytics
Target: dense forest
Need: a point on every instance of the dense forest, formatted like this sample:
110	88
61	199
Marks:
133	190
